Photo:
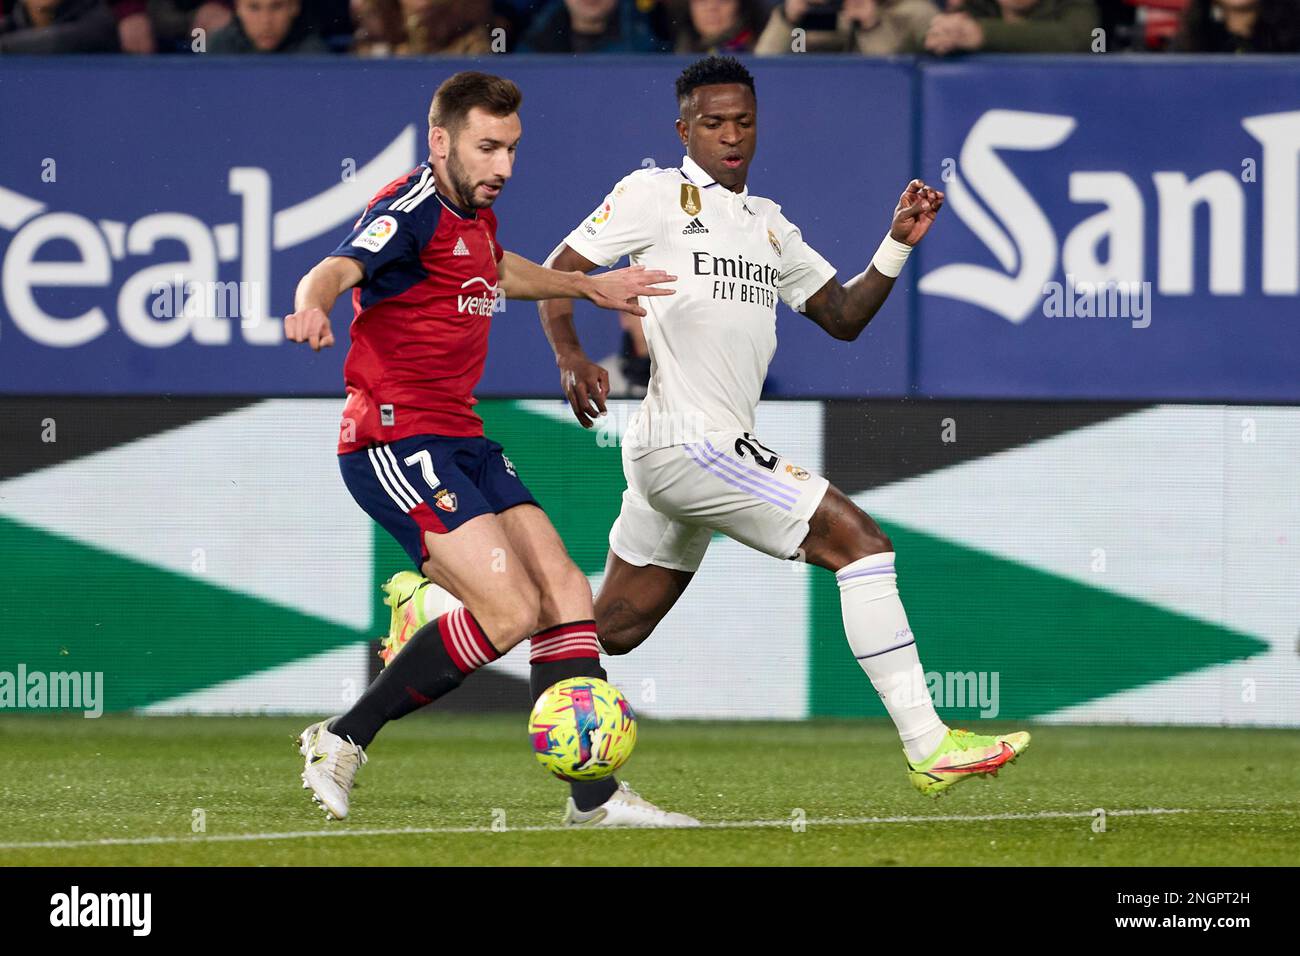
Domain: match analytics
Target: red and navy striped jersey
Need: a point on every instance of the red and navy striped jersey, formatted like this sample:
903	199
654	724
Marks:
422	314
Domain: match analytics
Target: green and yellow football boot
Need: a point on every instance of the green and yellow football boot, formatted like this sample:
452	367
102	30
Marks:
963	755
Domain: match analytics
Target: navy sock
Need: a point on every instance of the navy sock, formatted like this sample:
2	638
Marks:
432	664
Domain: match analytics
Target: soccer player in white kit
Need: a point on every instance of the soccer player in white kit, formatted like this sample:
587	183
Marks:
692	462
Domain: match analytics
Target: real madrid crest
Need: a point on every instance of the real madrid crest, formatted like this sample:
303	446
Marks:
776	246
690	199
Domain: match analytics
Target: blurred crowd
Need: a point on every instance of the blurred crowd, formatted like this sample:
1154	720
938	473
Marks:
764	27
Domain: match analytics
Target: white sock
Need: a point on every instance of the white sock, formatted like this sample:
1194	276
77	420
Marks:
876	626
438	601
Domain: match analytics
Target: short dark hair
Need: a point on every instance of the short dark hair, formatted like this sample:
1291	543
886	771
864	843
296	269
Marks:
460	93
711	71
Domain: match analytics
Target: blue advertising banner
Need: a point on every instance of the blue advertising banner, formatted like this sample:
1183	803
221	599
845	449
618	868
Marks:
1115	229
156	216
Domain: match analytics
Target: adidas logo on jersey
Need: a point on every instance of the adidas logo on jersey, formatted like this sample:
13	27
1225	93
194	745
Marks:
694	228
461	249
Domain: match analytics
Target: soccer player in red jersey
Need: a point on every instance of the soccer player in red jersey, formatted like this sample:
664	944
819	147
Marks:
426	271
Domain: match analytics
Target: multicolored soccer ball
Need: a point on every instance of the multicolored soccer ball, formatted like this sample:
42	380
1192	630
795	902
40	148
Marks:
582	729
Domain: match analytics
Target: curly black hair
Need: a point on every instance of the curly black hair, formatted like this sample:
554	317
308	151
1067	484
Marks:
711	71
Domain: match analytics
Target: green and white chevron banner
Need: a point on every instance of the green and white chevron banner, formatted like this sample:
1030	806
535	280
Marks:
1088	563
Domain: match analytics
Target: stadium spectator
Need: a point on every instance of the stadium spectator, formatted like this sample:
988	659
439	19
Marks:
59	26
266	26
717	26
447	27
145	26
592	26
1119	21
871	27
1239	26
516	15
378	28
1014	26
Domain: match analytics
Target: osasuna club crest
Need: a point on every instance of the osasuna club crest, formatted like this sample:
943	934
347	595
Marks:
444	499
691	199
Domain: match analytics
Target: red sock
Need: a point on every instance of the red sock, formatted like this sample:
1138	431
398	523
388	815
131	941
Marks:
564	641
465	641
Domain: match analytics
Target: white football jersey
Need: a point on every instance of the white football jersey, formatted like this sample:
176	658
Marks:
711	343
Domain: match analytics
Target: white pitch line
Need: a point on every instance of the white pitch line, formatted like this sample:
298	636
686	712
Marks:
556	828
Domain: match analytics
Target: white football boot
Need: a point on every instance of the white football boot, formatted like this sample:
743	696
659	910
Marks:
626	808
332	763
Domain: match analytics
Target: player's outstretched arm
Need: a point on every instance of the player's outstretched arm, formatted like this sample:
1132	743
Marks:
522	279
585	383
328	279
845	310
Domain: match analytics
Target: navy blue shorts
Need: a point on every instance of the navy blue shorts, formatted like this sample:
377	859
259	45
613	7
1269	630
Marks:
431	483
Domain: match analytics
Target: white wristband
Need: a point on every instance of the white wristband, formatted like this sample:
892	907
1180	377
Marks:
891	256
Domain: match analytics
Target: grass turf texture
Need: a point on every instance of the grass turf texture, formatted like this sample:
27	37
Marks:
70	779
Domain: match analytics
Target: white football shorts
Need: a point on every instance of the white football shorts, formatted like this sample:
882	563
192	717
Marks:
677	496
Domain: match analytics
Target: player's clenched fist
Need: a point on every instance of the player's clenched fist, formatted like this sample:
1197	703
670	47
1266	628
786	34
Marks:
311	326
915	212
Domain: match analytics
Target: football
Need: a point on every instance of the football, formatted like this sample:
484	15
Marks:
582	728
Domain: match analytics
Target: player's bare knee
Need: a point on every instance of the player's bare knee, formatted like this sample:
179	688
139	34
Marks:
565	597
842	533
870	538
528	609
512	618
510	630
621	641
575	589
620	628
615	641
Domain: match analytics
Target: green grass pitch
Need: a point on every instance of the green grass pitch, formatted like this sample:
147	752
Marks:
129	790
